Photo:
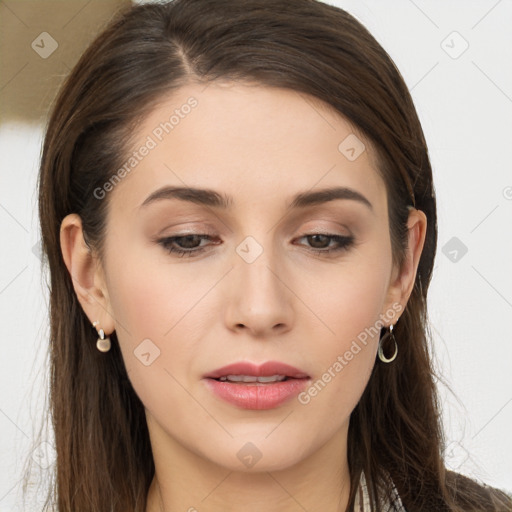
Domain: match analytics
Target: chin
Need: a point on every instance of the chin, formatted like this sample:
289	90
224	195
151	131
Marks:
255	454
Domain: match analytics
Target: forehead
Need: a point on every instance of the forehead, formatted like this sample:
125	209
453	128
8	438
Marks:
251	141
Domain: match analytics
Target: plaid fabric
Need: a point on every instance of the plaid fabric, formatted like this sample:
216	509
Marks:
362	501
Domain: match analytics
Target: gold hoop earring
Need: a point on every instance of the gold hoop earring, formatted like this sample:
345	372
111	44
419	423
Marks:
103	343
388	335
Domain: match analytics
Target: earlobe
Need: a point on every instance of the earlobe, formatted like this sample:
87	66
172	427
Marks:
85	272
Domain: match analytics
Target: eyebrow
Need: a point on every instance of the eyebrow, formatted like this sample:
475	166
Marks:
211	198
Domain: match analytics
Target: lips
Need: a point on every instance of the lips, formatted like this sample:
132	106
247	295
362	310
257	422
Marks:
250	386
267	369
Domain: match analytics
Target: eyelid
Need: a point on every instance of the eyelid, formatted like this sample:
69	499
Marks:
192	229
325	226
343	244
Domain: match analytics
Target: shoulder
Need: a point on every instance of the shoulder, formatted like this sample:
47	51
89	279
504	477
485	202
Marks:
474	496
463	494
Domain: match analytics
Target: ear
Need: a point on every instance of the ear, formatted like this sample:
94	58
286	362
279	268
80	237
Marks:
402	280
86	274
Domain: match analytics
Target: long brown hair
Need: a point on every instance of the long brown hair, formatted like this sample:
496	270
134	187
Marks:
104	459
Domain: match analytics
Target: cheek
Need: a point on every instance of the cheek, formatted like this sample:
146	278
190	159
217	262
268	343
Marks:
158	316
150	299
349	302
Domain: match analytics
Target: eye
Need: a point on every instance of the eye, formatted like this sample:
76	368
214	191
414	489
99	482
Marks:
322	243
190	245
185	245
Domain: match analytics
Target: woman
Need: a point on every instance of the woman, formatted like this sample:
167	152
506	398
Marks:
237	207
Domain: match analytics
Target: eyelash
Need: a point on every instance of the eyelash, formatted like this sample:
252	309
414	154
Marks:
345	242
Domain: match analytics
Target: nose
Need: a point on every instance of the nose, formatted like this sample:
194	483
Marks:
260	302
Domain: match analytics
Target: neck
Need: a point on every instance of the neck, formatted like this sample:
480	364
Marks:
185	481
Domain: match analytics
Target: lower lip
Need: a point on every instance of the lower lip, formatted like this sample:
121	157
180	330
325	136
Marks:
257	396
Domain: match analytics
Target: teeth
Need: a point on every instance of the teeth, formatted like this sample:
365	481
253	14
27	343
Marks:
252	378
273	378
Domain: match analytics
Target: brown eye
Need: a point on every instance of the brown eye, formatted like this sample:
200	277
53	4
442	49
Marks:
187	245
325	244
188	241
319	241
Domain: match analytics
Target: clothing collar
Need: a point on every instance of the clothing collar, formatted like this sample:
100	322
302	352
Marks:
362	501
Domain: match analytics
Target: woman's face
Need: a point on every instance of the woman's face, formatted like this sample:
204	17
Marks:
288	260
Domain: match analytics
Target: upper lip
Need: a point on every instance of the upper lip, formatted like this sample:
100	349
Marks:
266	369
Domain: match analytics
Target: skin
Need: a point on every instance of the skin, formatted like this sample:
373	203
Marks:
261	146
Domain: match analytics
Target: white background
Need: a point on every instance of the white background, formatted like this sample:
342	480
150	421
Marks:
465	106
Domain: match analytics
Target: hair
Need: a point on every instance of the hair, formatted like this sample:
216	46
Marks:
104	459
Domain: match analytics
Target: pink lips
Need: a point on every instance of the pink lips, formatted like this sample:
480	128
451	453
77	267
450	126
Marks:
257	395
264	370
